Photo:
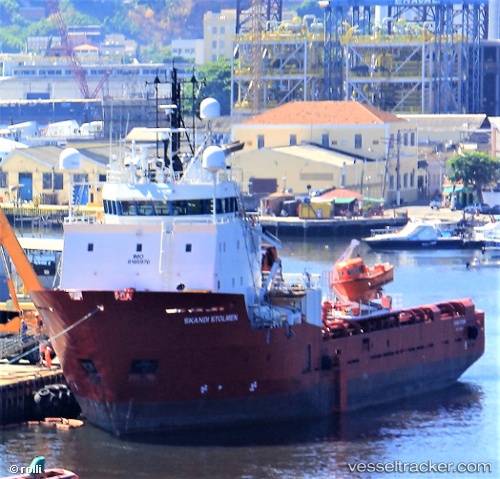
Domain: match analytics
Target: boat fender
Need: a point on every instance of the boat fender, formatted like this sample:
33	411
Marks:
472	332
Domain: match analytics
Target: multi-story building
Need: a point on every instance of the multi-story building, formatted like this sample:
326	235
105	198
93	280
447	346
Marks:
218	34
192	50
355	146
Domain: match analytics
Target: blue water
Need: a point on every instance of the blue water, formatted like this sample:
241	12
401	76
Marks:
458	425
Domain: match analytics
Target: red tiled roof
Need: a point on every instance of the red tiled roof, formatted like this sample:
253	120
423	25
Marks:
323	113
341	193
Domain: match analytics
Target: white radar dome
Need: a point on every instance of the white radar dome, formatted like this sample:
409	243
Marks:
209	108
70	159
214	159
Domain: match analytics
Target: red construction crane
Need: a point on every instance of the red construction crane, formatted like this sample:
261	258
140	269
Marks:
76	66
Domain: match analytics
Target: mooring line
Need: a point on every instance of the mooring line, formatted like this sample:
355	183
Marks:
60	333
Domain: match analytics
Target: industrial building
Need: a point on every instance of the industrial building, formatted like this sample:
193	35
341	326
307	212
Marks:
411	56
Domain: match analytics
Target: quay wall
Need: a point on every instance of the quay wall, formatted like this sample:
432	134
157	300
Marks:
18	385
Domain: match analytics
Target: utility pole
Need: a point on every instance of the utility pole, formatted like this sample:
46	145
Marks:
398	164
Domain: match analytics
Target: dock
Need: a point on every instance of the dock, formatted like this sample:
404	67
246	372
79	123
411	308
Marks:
41	215
18	384
294	226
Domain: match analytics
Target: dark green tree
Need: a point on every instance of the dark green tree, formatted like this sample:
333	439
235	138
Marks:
474	168
217	83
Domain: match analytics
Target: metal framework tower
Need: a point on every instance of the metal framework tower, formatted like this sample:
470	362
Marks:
269	11
420	56
429	51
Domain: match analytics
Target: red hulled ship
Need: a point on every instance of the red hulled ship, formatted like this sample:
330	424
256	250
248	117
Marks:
165	317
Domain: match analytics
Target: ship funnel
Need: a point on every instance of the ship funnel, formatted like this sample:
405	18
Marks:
209	108
214	159
70	159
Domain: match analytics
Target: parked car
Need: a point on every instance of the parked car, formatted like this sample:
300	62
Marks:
495	210
435	204
478	208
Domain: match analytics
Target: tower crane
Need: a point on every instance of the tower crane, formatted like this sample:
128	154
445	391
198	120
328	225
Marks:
76	67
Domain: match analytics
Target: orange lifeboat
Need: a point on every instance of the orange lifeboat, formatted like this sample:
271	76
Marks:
354	281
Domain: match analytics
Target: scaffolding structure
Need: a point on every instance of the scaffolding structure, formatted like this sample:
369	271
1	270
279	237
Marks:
412	56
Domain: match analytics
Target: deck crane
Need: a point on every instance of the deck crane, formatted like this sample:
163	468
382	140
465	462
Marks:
76	67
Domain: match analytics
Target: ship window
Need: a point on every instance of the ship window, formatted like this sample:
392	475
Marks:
138	247
219	208
145	208
179	207
366	344
88	366
162	208
90	247
127	208
144	366
195	207
188	248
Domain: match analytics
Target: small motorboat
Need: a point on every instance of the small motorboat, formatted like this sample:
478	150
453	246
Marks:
419	234
353	281
484	262
37	470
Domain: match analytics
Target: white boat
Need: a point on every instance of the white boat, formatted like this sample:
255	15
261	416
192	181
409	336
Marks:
488	234
417	234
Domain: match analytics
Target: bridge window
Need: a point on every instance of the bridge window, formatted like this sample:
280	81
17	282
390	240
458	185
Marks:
127	208
161	208
145	208
179	207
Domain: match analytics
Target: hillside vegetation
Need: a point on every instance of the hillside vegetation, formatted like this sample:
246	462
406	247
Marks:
152	23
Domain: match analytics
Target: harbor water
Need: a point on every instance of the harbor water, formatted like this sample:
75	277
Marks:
451	433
